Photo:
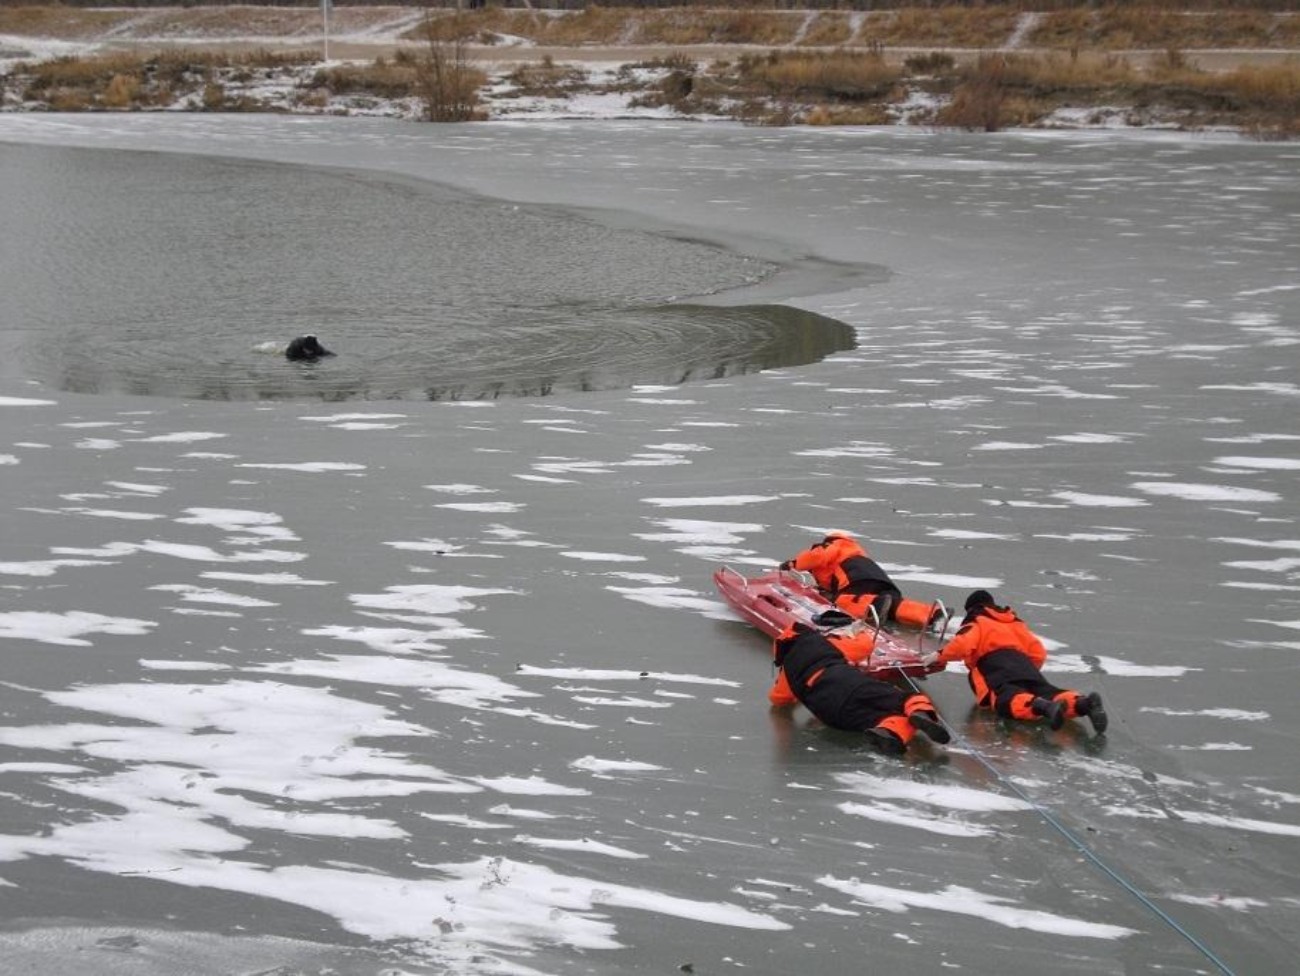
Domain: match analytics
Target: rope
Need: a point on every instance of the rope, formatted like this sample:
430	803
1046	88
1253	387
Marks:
1079	845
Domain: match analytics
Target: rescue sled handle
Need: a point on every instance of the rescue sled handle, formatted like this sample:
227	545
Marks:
727	570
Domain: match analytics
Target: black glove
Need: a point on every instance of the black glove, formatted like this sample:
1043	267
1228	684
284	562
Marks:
788	564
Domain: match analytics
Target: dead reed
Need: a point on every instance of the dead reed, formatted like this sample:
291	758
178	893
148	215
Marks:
838	76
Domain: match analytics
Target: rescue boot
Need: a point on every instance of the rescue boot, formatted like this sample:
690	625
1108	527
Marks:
1090	706
1053	711
886	742
928	722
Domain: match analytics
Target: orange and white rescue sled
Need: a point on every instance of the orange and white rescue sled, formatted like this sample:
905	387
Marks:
777	599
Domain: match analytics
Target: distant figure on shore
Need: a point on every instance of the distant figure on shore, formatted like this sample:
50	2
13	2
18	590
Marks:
306	348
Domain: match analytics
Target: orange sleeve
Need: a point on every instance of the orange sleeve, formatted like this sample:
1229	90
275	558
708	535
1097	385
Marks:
809	561
780	693
856	647
962	645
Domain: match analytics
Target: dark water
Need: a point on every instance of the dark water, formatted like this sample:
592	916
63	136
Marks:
156	274
445	687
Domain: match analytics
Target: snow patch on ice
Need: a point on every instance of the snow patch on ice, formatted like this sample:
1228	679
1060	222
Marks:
1194	492
67	628
607	557
603	766
310	467
1235	714
718	500
965	901
1086	500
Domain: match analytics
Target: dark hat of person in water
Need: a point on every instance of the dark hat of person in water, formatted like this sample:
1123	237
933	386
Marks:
306	347
979	598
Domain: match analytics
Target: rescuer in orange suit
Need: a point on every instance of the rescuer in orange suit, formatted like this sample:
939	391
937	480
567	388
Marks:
1004	658
813	670
854	581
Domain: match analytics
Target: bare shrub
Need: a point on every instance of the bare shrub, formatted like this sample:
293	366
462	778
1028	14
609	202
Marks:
446	82
977	102
214	97
676	90
121	91
677	86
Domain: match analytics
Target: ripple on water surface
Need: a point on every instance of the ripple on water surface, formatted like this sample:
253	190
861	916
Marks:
173	275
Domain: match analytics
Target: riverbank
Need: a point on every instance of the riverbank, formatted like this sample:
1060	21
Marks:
947	67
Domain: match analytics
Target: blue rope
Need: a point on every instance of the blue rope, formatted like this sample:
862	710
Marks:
1079	845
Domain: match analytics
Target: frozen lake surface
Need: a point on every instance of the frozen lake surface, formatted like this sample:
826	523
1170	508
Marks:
444	687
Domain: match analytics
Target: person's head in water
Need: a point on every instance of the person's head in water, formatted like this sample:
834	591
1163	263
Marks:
306	347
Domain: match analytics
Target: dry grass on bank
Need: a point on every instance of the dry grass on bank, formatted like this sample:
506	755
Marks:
781	87
820	77
1116	26
381	79
1121	27
547	79
1008	90
790	66
963	27
63	23
135	81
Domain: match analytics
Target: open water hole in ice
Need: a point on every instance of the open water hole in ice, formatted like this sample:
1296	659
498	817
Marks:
183	276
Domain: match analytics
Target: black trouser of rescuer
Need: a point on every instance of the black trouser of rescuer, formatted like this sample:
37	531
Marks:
835	691
1000	676
867	578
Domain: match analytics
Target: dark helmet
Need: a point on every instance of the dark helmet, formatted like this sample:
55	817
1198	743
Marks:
979	598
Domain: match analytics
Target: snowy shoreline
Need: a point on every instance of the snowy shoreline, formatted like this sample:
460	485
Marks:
613	80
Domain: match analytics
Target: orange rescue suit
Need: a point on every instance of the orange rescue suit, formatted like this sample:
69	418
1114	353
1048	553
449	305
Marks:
993	629
1005	658
855	582
856	648
828	561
